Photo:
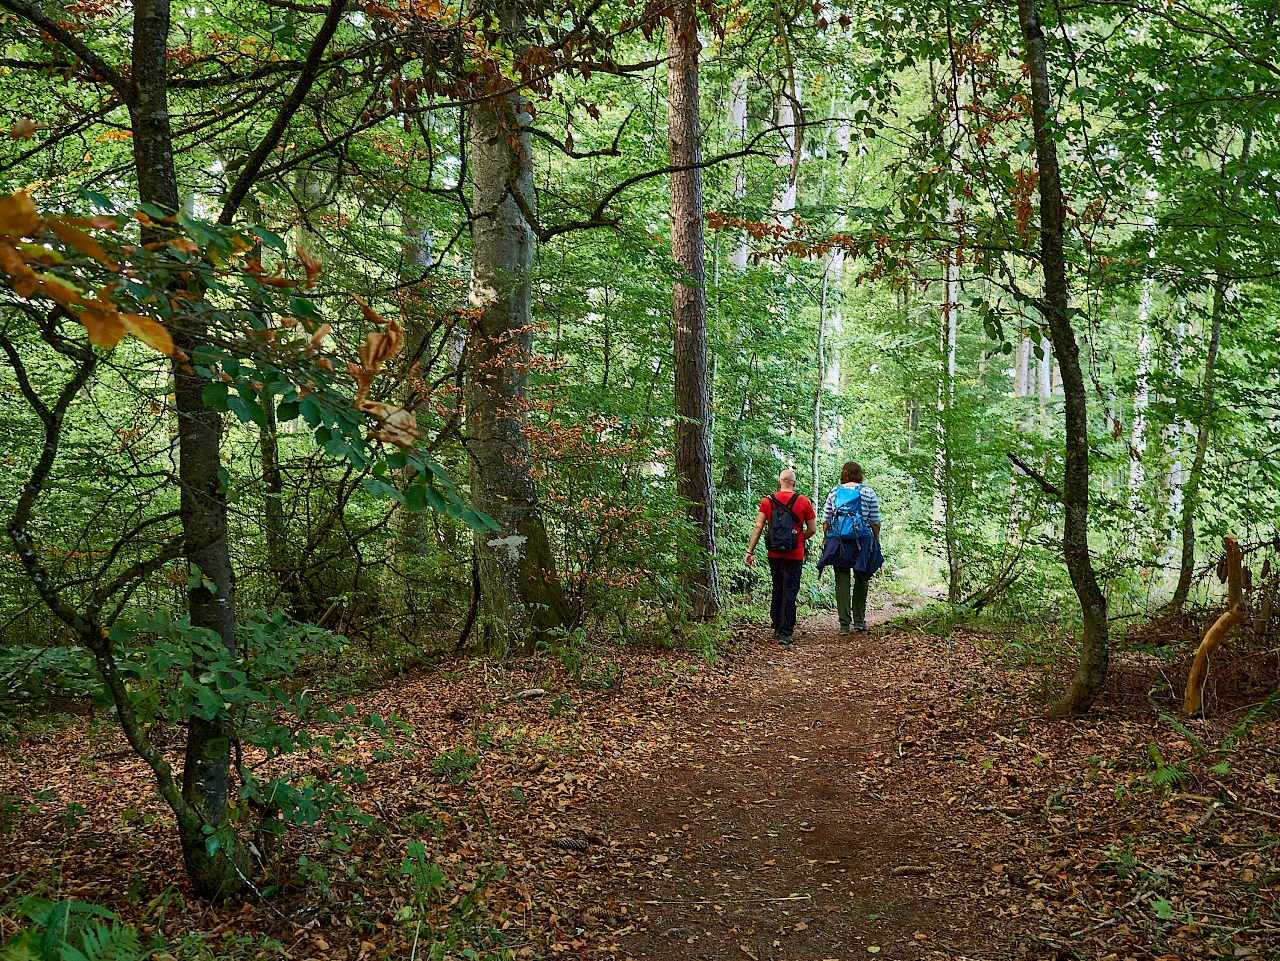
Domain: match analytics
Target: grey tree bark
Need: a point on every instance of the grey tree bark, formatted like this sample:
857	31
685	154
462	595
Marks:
206	773
689	308
520	592
1091	672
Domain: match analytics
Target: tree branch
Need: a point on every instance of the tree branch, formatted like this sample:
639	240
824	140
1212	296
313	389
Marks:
1035	475
105	71
310	70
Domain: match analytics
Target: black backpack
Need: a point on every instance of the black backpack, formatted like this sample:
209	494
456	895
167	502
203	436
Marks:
782	535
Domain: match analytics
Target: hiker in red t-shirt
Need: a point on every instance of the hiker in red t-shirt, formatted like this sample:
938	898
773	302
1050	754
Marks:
784	564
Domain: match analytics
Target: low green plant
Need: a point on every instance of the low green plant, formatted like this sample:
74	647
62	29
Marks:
71	931
1165	775
1269	708
449	919
457	765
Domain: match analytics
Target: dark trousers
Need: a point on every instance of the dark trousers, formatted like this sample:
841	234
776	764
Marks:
786	585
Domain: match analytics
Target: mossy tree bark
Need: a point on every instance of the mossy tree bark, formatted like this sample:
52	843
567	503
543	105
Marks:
520	592
206	774
1091	672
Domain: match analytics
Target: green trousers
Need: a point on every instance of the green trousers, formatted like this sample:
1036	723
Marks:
843	596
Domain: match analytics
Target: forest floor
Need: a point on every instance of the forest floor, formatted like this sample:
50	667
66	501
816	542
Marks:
895	794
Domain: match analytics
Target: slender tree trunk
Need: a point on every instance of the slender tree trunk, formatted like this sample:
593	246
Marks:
207	771
405	528
1141	401
689	308
738	124
1091	672
1191	493
816	444
1044	382
273	502
1173	432
520	591
944	472
1190	497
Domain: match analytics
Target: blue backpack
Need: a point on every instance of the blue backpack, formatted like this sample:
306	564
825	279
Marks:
847	523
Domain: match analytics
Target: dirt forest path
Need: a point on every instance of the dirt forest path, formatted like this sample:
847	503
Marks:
763	836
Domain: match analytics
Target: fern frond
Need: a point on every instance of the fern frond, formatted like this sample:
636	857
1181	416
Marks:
1269	707
1170	776
101	943
1182	729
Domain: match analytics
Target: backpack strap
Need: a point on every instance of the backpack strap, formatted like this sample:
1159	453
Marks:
787	507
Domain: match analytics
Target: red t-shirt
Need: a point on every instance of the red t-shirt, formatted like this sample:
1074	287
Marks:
801	508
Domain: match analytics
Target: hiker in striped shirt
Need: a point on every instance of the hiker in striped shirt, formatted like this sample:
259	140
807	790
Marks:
851	591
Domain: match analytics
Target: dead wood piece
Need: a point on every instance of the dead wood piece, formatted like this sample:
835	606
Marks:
1193	699
523	695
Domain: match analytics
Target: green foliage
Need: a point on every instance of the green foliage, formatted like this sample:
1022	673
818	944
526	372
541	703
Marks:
589	663
1165	775
457	765
70	931
1270	707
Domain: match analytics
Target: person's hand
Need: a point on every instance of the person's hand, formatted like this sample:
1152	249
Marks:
750	560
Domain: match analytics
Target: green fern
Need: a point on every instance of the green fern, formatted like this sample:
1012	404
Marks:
1261	712
70	931
1169	776
21	947
100	943
1185	731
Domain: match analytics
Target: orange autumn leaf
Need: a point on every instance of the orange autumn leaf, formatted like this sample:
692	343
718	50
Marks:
104	326
150	332
18	216
185	246
13	264
81	241
57	289
91	223
278	281
395	424
310	265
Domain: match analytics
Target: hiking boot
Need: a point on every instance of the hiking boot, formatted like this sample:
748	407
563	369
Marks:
844	630
785	640
862	626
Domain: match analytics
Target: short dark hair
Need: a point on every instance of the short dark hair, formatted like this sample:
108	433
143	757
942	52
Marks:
851	473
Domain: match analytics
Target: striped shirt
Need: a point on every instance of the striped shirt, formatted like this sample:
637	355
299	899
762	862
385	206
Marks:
870	505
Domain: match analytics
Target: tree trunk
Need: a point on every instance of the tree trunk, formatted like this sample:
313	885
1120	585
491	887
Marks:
816	443
1191	492
273	502
406	529
520	592
738	125
207	771
689	309
1091	672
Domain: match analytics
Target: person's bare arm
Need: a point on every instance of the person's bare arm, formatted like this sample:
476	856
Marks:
811	528
750	557
875	530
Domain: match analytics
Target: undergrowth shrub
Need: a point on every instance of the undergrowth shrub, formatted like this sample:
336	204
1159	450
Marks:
71	931
619	532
